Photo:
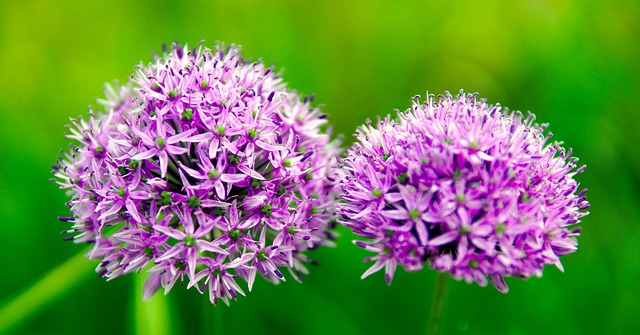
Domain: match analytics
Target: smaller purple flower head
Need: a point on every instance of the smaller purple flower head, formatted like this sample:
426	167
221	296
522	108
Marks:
463	186
203	168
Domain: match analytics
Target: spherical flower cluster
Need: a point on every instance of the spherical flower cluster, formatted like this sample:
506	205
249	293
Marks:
203	166
459	185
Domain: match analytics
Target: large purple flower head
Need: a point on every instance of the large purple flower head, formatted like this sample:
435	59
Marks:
205	168
464	187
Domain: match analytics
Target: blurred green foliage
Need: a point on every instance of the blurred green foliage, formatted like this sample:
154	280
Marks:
576	64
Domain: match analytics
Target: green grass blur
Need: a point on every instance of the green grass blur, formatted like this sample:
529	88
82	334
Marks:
576	64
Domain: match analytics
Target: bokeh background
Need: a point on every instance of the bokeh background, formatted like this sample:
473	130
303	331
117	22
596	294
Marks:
574	63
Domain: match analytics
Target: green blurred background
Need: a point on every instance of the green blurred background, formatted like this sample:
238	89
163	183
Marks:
574	63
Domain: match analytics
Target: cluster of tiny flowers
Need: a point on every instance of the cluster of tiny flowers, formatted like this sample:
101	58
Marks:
464	187
204	168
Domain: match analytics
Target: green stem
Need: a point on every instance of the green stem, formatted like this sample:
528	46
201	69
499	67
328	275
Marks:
211	317
35	297
153	316
207	313
437	306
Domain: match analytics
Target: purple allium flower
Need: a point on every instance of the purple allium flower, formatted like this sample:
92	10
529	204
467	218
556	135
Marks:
205	168
460	185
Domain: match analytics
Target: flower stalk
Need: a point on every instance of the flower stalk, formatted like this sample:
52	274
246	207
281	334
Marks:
154	316
436	315
53	285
